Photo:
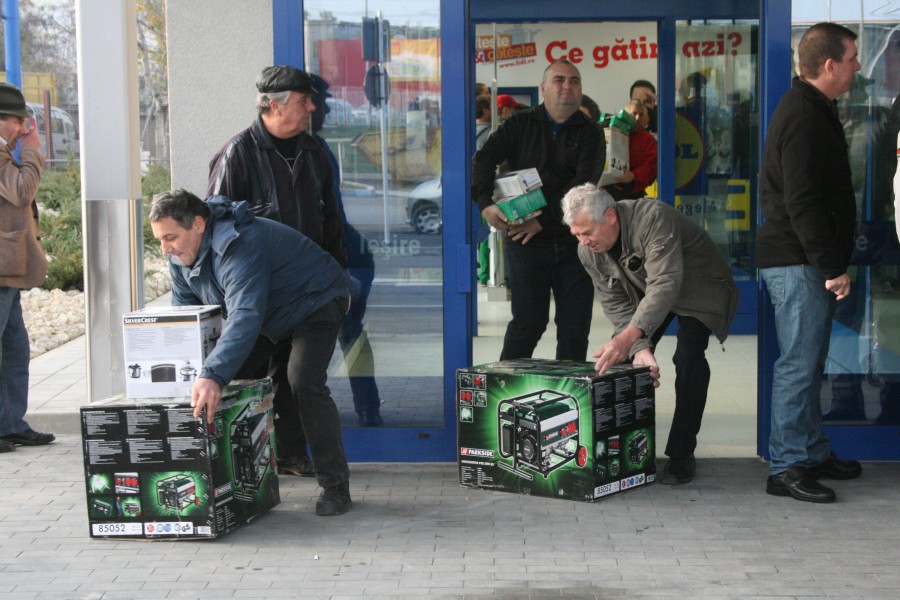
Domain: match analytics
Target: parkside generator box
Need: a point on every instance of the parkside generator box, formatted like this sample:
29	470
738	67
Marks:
165	348
522	208
153	470
556	428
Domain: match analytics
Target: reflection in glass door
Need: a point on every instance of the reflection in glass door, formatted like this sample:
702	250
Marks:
388	153
716	135
860	386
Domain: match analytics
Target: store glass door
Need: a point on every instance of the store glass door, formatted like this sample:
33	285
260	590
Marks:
717	142
383	126
860	388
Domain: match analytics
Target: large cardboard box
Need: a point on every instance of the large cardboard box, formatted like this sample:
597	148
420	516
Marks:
165	348
556	428
152	470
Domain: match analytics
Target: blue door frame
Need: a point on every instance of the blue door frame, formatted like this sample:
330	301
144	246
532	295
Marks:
458	18
860	442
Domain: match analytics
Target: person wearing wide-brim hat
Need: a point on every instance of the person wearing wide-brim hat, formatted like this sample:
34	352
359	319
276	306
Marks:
22	263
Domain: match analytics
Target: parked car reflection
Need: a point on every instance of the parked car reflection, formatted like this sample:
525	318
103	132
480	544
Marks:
424	206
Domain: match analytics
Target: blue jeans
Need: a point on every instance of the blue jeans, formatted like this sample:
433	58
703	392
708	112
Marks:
308	354
15	354
803	312
534	272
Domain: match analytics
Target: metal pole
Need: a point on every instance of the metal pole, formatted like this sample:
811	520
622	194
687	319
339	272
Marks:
110	184
12	45
382	84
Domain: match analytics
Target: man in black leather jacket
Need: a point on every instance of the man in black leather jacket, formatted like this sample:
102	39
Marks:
284	174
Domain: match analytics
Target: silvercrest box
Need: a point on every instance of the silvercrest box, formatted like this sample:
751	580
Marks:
555	428
165	348
153	470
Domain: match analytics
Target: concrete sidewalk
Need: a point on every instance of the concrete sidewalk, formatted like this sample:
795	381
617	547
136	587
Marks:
414	532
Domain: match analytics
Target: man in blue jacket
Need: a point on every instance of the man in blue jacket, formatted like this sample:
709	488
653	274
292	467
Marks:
273	284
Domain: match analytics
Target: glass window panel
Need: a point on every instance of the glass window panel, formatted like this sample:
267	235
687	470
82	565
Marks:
716	134
389	163
862	373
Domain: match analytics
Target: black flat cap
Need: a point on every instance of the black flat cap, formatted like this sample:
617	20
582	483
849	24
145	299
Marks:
12	102
282	78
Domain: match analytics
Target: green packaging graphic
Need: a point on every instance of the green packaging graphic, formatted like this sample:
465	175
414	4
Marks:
555	428
153	470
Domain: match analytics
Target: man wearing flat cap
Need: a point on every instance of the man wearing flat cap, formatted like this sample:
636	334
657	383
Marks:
22	264
284	175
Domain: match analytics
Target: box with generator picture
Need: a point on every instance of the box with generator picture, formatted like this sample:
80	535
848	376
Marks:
154	471
555	428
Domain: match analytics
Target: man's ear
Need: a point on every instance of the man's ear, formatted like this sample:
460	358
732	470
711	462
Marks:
612	217
199	223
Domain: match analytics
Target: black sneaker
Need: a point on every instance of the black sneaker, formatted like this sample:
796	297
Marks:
29	437
334	500
679	470
6	446
836	468
298	466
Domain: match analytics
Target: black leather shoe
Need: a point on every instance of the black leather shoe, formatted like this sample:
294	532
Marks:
679	470
799	483
29	437
6	446
334	500
836	468
299	466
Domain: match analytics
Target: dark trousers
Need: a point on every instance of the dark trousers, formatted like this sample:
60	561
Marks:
309	352
534	272
691	383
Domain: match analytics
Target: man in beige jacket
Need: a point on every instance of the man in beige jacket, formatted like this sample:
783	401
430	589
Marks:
22	264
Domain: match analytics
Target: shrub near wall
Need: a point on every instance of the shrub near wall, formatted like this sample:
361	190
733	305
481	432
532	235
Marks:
61	234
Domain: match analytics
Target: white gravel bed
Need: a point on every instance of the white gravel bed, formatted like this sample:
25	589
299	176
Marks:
55	317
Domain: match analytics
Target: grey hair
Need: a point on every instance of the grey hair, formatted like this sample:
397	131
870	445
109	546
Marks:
588	199
264	98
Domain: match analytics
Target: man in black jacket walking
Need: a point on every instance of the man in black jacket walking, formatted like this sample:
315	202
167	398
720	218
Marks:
541	255
803	252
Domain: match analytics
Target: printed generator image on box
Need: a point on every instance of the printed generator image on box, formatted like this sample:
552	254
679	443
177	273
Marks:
555	428
153	470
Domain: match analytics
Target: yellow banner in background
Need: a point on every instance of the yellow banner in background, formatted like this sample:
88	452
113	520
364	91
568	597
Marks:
415	60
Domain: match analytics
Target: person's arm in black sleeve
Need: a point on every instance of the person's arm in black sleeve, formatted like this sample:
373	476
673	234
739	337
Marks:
332	222
496	149
591	158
